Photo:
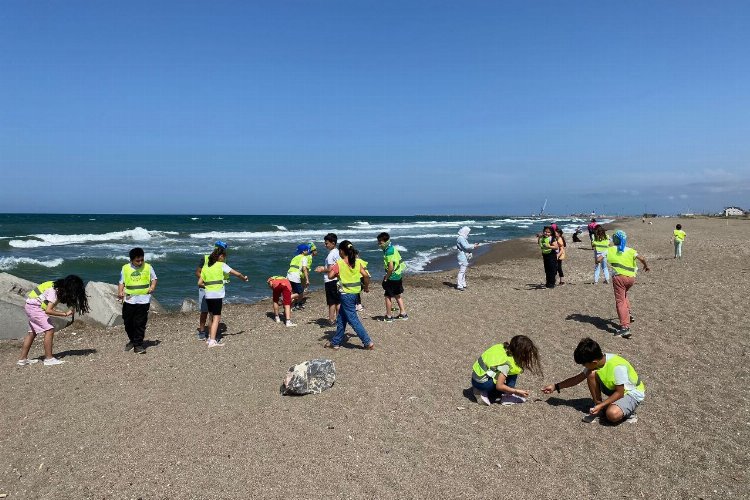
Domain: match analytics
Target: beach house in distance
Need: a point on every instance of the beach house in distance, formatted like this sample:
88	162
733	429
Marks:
733	211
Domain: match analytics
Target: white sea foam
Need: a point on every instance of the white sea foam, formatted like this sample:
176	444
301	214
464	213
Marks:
281	228
7	263
48	240
194	218
422	258
400	248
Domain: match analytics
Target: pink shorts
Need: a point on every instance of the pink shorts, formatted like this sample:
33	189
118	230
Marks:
38	319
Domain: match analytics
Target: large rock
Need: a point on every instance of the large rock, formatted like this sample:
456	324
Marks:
13	320
189	305
309	377
104	307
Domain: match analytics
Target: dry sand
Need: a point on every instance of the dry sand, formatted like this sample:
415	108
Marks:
186	422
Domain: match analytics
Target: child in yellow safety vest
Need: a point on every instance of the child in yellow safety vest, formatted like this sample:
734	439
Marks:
299	272
678	237
622	260
41	303
607	374
213	279
137	283
393	280
495	372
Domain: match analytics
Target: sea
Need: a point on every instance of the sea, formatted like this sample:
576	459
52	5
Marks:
41	247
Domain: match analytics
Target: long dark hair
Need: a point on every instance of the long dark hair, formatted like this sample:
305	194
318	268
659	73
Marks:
71	292
600	234
525	353
348	249
214	257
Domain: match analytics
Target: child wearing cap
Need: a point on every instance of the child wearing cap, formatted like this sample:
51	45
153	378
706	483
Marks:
203	307
297	269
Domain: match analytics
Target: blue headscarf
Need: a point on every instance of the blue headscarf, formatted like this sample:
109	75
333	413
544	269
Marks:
621	239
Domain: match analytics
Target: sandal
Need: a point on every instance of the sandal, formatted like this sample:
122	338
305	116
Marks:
370	346
328	345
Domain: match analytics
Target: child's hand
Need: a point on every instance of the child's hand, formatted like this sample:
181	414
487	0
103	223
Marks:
522	393
596	409
548	389
320	269
245	279
69	313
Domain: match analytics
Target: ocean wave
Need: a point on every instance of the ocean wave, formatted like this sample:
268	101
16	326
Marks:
401	248
281	228
48	240
7	263
422	258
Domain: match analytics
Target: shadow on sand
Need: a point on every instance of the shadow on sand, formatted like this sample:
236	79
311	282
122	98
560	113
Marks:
75	352
606	325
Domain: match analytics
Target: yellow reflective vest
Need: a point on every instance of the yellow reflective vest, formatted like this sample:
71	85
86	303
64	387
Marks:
623	263
492	359
607	374
136	280
39	290
349	278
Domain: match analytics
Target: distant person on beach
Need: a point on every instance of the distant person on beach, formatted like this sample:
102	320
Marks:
298	271
282	289
622	260
213	279
600	243
393	279
678	238
465	250
606	373
137	283
592	227
331	284
576	235
202	305
40	305
548	246
561	256
496	371
350	272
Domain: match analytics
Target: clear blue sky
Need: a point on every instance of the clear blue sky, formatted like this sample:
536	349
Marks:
374	107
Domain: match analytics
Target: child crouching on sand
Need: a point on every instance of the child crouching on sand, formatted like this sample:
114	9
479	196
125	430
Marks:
497	370
40	305
606	373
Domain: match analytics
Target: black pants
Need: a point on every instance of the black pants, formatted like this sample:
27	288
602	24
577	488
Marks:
550	268
135	317
559	268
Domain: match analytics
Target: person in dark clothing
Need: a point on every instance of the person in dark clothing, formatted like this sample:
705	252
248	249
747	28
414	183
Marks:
548	245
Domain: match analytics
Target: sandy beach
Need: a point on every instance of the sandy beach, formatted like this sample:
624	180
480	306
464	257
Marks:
186	422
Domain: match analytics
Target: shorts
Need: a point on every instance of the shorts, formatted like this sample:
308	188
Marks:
332	293
627	404
214	306
202	300
38	319
393	287
297	288
284	292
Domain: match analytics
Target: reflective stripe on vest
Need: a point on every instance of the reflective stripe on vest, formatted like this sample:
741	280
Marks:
213	277
600	246
136	281
37	292
498	357
606	374
349	279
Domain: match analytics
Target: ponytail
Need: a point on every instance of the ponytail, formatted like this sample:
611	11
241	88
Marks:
214	257
350	252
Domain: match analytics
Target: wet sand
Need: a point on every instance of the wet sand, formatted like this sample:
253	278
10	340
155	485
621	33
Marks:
183	421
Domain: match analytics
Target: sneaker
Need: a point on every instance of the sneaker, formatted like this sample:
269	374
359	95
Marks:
387	319
139	349
25	362
632	419
511	399
606	282
202	334
128	347
460	288
482	397
277	319
289	324
213	343
403	317
52	362
624	333
360	307
589	418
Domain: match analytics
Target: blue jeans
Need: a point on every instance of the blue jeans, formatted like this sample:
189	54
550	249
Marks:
600	266
489	386
348	314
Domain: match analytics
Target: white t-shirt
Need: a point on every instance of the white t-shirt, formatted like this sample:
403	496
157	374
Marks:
295	277
622	378
333	257
138	299
219	294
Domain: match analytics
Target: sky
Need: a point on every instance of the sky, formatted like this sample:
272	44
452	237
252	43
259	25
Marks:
374	107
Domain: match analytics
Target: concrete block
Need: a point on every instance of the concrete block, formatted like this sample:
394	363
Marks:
189	305
13	320
104	307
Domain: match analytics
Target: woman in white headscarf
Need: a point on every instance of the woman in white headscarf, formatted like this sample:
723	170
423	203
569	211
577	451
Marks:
464	254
